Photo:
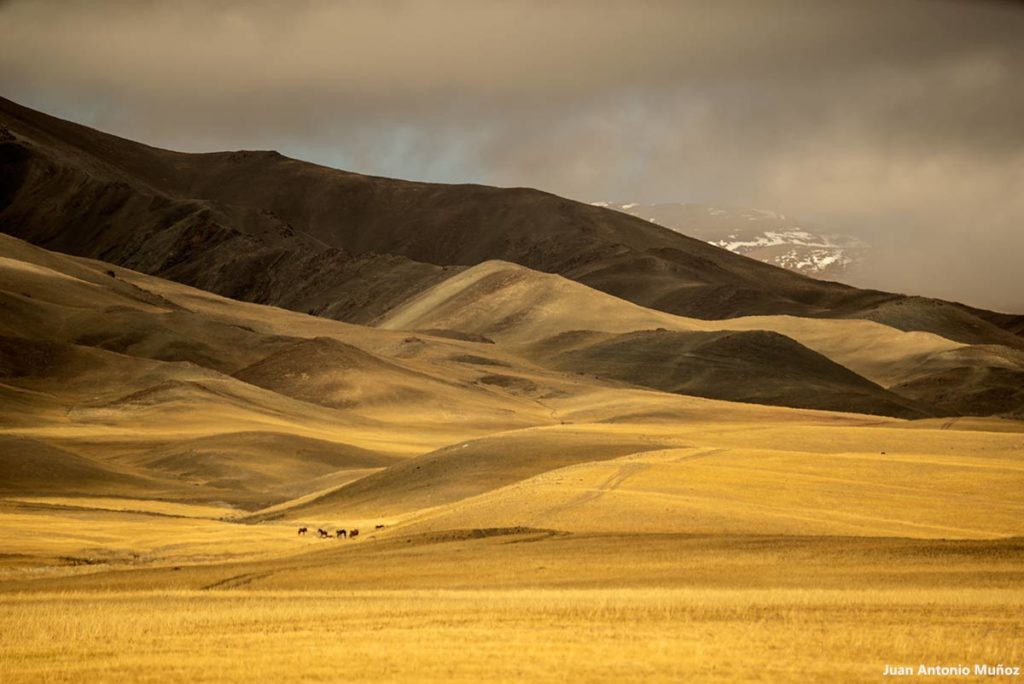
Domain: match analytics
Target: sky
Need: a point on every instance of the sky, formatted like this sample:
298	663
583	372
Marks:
898	121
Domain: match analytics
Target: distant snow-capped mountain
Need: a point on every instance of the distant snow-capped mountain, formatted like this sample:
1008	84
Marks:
757	233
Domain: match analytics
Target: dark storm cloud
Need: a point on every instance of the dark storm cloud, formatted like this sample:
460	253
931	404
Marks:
899	121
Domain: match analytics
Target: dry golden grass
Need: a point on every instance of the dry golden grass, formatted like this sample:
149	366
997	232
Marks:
103	538
200	599
709	635
760	491
169	508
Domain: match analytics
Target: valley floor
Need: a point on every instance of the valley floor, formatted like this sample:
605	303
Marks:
775	552
608	634
786	550
512	605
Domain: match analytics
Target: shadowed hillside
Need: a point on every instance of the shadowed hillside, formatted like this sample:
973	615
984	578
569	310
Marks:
77	191
757	366
29	465
977	380
568	326
464	470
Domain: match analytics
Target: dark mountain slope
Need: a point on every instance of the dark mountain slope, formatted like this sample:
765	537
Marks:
260	226
757	366
468	469
73	190
953	321
30	465
970	381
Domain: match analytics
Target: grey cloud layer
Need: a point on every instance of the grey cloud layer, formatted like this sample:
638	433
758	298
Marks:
899	121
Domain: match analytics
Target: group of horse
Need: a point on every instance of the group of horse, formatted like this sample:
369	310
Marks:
338	534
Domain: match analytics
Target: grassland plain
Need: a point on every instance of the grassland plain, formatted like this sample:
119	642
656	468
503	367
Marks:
742	549
566	635
507	604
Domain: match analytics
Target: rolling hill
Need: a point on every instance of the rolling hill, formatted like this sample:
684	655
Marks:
753	366
112	382
569	326
116	382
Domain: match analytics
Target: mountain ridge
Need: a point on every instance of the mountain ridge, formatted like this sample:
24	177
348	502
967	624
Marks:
261	227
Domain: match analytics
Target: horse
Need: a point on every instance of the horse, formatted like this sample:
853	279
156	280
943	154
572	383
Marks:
379	527
340	534
352	534
303	530
323	533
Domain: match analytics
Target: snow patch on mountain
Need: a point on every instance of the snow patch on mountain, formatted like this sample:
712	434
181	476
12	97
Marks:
757	233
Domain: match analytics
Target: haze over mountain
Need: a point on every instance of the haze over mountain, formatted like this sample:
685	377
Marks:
761	234
893	122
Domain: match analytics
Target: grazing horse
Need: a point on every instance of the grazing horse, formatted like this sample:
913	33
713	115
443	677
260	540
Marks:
303	530
323	533
340	534
379	527
352	534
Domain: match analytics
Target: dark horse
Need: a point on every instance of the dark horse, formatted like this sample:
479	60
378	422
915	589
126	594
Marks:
340	534
303	530
323	533
379	527
353	533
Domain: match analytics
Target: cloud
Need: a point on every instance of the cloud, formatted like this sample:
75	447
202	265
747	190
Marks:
898	121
